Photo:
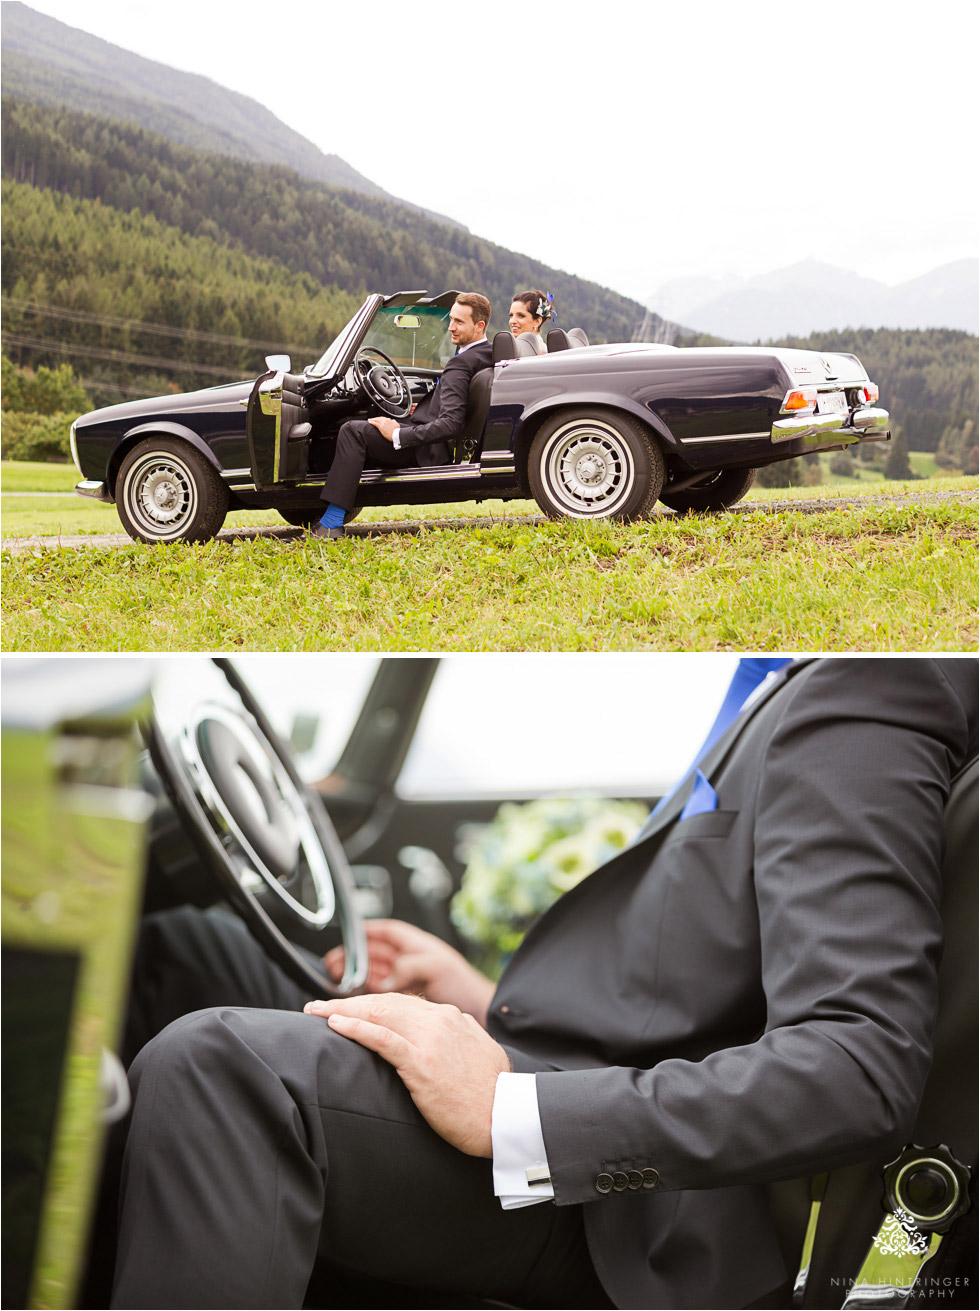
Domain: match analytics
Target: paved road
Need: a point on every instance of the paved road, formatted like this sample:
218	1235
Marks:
816	505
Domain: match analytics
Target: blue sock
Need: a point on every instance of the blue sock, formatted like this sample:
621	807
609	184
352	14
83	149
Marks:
333	516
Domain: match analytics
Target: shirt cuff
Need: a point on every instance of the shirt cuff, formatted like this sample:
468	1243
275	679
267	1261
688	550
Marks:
395	440
518	1143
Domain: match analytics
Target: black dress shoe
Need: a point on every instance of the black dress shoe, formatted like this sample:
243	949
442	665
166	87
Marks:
318	530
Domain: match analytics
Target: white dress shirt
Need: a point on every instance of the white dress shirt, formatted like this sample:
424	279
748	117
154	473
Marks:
394	436
515	1127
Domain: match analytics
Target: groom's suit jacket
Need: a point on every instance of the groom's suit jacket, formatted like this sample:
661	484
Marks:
748	994
441	417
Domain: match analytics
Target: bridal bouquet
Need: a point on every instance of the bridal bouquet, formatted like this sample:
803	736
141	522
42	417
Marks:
524	860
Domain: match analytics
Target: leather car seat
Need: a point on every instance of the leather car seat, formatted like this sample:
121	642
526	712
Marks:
577	337
529	343
468	442
558	340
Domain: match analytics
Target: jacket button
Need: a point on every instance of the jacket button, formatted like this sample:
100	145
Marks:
650	1178
620	1181
635	1180
604	1183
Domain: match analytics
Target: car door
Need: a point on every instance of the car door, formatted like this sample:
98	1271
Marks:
278	426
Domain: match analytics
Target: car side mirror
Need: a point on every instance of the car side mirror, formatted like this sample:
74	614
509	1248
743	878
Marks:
280	363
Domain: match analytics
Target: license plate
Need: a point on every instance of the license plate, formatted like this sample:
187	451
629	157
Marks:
831	402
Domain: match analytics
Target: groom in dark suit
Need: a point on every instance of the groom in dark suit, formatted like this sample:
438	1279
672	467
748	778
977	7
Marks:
746	994
423	438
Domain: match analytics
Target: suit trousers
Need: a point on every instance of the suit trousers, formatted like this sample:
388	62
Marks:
359	444
262	1143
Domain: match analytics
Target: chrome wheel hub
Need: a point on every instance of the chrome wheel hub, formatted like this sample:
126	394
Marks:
590	469
162	495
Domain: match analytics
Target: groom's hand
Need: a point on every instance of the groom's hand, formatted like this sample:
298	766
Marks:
448	1063
386	427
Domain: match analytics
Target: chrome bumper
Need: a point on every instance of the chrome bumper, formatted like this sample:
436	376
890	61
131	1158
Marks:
868	423
96	490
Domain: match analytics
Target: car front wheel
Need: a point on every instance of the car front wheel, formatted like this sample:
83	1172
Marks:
167	492
716	492
592	464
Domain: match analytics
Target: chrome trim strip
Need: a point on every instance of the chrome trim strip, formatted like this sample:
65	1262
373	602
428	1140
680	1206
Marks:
236	473
498	455
435	474
728	437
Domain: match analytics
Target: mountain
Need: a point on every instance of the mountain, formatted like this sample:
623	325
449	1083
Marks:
813	296
50	63
343	239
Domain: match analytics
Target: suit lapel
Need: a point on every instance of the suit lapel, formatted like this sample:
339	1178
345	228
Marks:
646	847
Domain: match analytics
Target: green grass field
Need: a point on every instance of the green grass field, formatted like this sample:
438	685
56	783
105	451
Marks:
68	515
876	577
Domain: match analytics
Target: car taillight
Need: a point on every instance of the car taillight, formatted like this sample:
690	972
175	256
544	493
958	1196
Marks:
870	390
801	398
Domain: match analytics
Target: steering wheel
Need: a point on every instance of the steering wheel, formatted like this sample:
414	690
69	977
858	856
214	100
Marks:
259	830
383	382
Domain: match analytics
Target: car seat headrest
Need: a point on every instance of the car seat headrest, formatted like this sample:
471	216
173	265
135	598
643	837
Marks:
504	346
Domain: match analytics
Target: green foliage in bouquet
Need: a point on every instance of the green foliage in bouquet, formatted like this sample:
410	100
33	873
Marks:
522	862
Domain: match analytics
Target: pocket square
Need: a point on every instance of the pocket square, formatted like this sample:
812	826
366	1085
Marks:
703	798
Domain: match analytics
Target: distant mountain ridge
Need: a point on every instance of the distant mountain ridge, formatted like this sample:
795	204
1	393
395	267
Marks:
49	63
812	296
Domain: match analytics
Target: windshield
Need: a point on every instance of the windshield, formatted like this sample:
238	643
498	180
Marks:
414	336
325	365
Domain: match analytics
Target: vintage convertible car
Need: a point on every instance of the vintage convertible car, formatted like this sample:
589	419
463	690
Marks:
589	431
137	785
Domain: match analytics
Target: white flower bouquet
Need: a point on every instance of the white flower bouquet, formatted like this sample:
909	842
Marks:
522	862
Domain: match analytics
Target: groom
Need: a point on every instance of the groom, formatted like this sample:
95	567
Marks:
423	437
746	994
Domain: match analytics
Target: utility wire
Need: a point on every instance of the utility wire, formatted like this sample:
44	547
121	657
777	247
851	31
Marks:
117	357
140	325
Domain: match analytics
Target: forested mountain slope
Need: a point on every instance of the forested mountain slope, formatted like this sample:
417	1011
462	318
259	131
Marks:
80	278
344	239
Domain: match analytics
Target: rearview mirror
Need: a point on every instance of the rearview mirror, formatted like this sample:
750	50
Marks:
407	321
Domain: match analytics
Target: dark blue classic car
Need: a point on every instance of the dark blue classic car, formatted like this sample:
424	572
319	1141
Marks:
589	431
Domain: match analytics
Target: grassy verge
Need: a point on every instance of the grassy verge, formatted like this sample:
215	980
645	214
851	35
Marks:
55	515
874	578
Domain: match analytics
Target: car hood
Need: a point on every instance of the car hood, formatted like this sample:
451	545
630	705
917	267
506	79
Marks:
221	397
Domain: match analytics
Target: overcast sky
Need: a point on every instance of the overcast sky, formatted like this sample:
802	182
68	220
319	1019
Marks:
627	142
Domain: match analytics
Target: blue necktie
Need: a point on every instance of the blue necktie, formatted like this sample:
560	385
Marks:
751	671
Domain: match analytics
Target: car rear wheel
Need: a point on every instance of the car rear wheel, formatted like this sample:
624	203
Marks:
716	492
595	464
167	492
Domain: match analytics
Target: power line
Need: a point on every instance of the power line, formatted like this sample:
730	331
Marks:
116	357
95	384
140	325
